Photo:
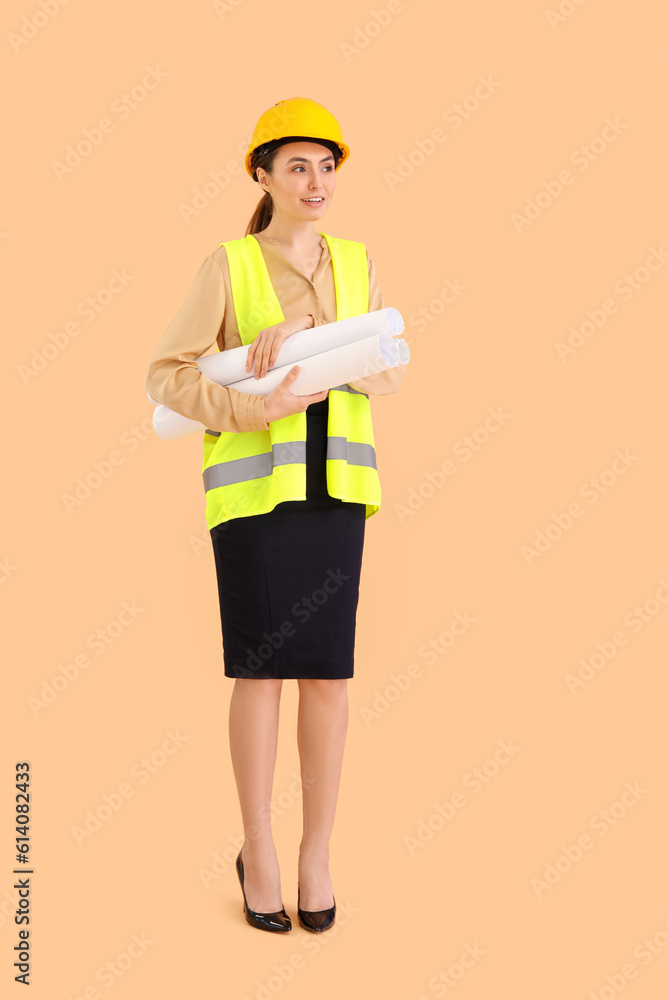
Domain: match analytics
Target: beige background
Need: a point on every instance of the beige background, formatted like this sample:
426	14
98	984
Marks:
418	889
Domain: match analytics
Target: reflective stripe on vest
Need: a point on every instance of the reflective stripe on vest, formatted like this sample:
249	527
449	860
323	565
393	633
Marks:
249	472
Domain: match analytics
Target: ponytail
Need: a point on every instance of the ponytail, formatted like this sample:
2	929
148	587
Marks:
262	215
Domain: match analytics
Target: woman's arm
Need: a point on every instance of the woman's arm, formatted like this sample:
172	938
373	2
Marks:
173	377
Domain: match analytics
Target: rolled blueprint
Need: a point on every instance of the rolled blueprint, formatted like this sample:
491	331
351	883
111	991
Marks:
228	367
321	371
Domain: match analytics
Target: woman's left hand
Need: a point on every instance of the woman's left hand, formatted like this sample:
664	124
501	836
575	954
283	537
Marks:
264	349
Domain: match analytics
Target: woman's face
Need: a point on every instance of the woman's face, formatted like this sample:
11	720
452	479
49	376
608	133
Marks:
301	170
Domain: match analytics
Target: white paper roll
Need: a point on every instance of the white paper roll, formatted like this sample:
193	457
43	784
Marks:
170	425
228	367
322	371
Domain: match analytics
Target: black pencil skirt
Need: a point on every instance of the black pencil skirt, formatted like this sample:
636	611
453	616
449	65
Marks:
288	580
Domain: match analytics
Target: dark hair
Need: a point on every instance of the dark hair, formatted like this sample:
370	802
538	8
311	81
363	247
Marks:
263	157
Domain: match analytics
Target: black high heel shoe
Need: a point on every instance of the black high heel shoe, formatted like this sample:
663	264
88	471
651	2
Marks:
277	921
316	920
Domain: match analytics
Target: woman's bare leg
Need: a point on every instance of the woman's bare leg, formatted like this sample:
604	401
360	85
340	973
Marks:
253	738
321	732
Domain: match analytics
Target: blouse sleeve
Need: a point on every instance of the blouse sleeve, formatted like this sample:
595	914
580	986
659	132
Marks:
173	377
382	383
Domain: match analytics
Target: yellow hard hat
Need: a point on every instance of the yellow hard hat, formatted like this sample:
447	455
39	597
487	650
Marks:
296	118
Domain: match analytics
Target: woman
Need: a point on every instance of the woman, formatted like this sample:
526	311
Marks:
290	481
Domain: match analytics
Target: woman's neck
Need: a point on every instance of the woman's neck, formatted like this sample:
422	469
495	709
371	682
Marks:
298	238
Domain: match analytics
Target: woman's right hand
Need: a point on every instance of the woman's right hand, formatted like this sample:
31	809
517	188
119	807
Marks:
280	402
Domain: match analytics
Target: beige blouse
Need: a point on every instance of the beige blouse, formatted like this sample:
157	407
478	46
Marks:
207	318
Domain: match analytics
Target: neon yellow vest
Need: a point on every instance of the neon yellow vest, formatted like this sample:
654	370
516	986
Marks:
249	472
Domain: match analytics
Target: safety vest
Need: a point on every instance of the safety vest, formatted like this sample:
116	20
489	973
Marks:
249	472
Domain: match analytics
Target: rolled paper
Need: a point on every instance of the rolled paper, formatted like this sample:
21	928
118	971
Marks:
170	425
228	367
321	371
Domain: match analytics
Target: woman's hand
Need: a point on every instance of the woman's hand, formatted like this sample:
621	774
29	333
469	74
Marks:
283	403
264	348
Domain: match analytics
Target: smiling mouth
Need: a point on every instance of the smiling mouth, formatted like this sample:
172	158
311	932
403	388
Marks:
313	201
